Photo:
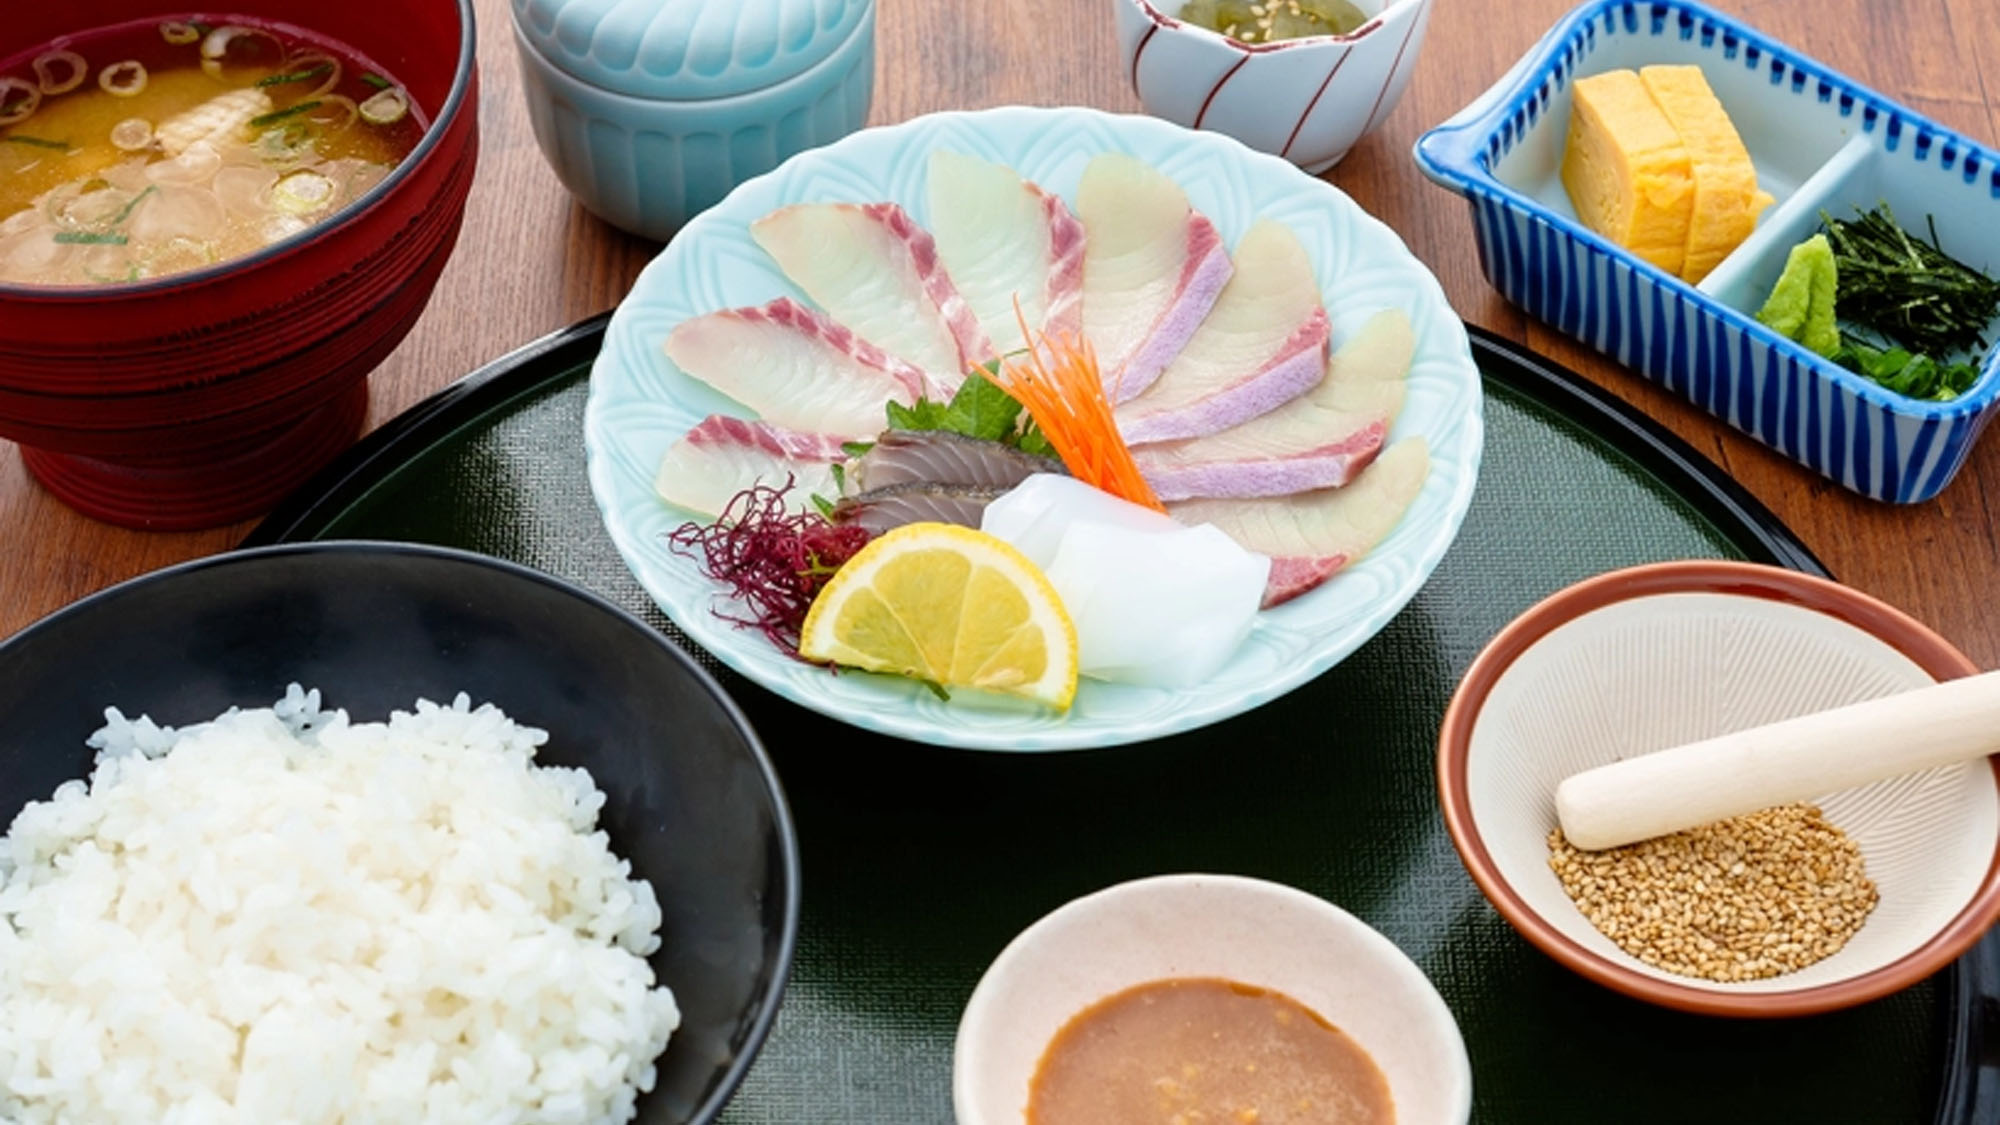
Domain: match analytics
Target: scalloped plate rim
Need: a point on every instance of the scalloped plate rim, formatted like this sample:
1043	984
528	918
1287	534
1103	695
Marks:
876	703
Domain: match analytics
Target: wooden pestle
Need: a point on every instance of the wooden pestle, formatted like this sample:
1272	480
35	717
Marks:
1794	760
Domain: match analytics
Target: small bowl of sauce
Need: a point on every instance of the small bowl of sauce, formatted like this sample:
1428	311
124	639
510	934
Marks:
1212	999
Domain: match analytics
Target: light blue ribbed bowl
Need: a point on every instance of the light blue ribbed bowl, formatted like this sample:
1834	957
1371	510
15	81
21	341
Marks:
650	111
1819	140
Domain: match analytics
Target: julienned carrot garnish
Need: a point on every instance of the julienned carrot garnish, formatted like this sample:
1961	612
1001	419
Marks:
1057	379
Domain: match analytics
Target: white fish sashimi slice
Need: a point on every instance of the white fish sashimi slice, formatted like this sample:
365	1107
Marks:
1064	315
1263	344
1319	440
873	269
1152	268
1004	240
1310	535
795	367
722	456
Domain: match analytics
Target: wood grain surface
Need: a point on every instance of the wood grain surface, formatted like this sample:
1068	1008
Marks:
531	261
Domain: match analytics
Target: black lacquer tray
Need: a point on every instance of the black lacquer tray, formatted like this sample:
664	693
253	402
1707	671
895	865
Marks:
921	863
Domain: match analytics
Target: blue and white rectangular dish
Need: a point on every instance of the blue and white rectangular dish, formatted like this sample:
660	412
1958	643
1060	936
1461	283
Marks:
1819	141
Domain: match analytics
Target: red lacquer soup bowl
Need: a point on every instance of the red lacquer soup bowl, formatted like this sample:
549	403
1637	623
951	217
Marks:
200	398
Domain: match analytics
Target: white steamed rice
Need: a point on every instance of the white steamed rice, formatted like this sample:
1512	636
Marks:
295	918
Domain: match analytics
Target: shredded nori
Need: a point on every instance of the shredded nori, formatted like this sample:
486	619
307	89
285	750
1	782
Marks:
1907	289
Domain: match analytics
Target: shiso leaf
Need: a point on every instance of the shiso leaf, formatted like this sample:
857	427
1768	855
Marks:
1032	440
981	409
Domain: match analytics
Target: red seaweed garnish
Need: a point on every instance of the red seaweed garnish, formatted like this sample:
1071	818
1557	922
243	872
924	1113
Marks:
775	559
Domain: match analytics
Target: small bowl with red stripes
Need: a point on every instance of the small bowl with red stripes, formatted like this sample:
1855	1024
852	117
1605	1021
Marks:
1307	100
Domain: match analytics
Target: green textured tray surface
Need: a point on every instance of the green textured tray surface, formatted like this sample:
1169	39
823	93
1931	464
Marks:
921	863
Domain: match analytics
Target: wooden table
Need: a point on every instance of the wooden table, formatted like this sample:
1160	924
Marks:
531	261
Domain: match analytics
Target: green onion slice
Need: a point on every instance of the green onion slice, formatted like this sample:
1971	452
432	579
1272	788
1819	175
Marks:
123	79
36	142
302	193
237	46
386	108
90	238
335	112
131	274
284	144
296	76
376	80
52	85
18	100
284	114
179	32
132	134
125	212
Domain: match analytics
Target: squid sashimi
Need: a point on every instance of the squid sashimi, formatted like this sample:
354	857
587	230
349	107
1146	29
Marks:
1115	564
1152	268
1262	345
795	367
1310	535
873	269
1319	440
1004	240
722	456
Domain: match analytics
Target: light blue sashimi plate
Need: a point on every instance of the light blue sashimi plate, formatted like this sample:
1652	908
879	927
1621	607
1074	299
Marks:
640	404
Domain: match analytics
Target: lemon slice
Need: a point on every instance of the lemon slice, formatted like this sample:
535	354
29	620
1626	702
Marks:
950	605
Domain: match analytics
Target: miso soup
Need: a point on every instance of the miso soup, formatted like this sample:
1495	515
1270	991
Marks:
151	149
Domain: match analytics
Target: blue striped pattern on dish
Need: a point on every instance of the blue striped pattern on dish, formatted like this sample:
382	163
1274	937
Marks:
1837	423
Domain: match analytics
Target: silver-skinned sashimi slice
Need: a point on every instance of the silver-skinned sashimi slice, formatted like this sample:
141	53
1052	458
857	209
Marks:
1262	345
943	457
881	510
874	270
722	456
1152	267
795	367
1005	241
1319	440
1310	535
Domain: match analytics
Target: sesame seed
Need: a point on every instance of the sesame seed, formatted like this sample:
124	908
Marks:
1743	899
